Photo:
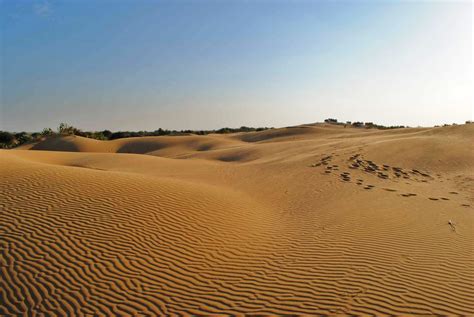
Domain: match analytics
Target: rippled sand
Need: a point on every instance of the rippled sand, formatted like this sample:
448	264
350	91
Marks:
313	220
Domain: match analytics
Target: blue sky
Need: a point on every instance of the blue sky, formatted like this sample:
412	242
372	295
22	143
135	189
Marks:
141	65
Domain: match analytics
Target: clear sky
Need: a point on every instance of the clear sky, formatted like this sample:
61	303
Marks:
141	65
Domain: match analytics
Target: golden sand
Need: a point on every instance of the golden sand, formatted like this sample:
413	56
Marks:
312	220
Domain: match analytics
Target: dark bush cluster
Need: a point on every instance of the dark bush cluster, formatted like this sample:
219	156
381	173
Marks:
9	140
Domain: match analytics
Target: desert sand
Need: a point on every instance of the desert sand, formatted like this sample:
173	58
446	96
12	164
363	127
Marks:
309	220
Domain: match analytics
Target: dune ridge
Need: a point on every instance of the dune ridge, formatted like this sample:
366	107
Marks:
312	220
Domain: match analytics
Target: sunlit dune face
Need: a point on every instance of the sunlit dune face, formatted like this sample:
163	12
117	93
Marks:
320	219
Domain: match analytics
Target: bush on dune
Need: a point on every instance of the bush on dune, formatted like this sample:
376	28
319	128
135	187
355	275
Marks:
6	139
9	140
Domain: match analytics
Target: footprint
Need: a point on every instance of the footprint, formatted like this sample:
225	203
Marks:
408	195
345	177
432	198
444	198
465	205
453	193
369	187
389	189
415	171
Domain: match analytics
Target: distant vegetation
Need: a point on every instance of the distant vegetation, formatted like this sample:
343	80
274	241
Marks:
11	140
366	125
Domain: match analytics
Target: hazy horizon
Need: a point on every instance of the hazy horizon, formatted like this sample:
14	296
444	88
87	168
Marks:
152	64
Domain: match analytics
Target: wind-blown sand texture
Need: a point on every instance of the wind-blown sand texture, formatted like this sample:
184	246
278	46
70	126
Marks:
315	219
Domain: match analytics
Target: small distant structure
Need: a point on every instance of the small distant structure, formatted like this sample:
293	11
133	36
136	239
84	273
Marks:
331	121
469	122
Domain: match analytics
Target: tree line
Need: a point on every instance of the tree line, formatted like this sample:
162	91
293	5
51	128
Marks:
11	140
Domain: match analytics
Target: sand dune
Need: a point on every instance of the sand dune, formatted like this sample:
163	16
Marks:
315	220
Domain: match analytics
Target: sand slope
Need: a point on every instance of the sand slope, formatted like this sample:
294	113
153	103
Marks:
308	220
